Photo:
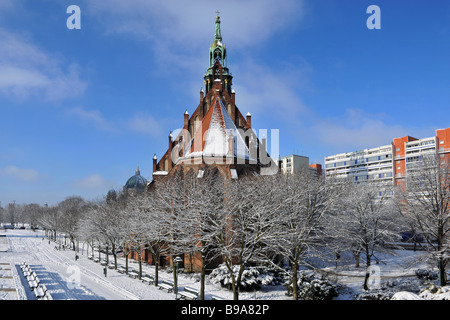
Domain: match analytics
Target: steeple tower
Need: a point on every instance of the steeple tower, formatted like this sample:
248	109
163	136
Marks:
217	35
217	70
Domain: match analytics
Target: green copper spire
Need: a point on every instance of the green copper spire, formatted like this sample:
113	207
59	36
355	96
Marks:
217	69
217	35
217	49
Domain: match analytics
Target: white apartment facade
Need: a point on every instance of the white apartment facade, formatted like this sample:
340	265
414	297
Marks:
387	163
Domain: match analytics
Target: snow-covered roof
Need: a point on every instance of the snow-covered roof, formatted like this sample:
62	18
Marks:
160	173
216	135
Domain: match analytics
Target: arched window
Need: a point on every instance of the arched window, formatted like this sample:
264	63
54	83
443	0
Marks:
216	73
218	55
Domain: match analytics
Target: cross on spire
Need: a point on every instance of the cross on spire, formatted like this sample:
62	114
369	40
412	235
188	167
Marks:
217	12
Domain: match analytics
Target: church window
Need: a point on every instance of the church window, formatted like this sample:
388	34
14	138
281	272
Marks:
216	74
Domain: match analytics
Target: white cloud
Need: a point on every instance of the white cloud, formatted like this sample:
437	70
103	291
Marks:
356	130
139	123
178	29
95	181
272	94
26	71
27	175
92	116
189	23
145	124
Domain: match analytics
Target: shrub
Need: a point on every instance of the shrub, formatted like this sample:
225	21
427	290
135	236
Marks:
252	277
313	287
424	274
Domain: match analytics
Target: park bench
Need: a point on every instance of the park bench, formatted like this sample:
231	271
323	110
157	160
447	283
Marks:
91	257
149	279
189	293
104	262
31	276
167	285
133	274
216	298
111	265
26	271
47	296
40	291
121	269
33	281
96	260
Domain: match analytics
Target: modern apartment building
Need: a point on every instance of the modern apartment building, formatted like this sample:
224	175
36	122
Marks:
293	164
390	162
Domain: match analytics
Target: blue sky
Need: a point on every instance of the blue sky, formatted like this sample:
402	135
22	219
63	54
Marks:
79	109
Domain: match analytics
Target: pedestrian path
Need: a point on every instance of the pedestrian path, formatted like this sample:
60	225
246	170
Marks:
7	284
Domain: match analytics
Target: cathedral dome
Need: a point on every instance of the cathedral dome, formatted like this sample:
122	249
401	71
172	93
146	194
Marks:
136	182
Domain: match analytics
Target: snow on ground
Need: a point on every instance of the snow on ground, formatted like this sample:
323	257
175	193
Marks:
59	271
83	279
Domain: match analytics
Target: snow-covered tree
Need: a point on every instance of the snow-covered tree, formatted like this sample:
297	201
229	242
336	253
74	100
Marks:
71	210
200	217
365	221
244	226
301	203
424	202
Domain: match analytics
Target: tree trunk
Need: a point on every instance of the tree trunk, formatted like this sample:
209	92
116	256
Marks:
140	264
366	278
175	278
442	275
356	256
294	281
202	279
234	287
156	270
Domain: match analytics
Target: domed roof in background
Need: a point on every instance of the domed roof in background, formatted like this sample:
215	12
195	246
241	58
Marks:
136	182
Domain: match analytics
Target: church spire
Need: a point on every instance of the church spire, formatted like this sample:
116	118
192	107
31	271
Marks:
217	69
217	34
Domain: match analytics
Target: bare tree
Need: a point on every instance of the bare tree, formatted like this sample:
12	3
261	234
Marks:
71	210
51	221
244	226
365	222
199	219
104	225
151	222
425	204
303	203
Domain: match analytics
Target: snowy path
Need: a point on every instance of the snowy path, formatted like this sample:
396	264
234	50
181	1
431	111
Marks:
67	279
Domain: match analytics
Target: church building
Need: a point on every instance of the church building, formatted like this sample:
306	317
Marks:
216	135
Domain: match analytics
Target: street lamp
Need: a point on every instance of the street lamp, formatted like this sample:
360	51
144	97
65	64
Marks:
176	261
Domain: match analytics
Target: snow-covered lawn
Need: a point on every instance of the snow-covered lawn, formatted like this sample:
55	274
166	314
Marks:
83	279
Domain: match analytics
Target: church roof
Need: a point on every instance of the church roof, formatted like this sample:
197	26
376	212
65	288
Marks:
217	136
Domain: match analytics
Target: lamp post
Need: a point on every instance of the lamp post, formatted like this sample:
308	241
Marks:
176	261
